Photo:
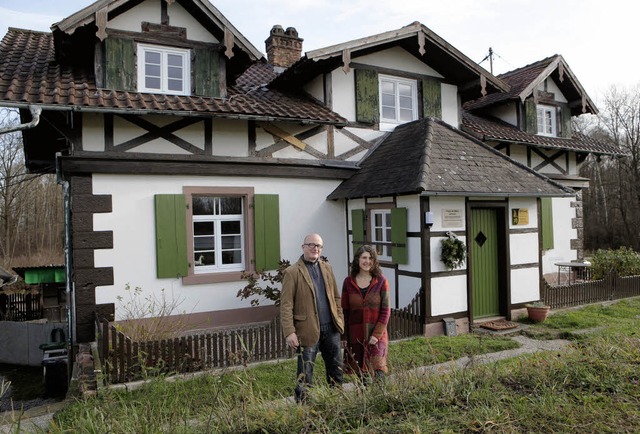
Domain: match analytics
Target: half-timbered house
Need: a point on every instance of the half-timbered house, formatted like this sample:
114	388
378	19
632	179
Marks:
187	158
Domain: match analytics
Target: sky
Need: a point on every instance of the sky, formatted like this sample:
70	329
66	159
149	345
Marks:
596	38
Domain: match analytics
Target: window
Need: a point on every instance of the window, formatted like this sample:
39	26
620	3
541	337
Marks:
381	233
398	100
209	235
163	70
218	235
386	229
547	121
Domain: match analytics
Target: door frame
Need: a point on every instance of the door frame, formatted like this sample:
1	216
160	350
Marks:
504	277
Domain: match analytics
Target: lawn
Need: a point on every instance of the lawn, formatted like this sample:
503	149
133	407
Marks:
592	387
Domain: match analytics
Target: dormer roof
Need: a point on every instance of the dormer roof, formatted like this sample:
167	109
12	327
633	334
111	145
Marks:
101	11
472	80
523	81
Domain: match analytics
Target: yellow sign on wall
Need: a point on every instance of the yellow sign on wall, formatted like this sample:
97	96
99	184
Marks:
519	216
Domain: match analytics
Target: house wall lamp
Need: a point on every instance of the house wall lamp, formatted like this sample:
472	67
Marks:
428	218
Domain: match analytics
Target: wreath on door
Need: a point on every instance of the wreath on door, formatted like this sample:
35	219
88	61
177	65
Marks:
454	252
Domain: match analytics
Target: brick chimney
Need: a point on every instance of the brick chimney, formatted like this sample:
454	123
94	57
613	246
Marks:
284	48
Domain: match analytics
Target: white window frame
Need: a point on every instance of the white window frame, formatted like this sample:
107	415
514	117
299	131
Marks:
547	120
384	251
387	123
164	52
217	219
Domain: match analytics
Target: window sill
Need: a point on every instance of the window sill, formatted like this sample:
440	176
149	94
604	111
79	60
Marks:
198	279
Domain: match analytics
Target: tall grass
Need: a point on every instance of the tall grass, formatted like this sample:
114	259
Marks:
590	388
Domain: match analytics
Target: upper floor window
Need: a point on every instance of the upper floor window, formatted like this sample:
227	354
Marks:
398	100
547	120
163	70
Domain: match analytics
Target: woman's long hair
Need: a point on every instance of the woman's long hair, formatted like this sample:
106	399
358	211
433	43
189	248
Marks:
375	265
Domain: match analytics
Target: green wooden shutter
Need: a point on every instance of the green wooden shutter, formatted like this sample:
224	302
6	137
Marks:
171	235
357	228
207	74
565	120
267	231
546	212
431	98
120	67
400	250
367	96
531	116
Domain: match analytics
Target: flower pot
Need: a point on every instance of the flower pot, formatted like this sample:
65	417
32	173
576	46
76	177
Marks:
538	313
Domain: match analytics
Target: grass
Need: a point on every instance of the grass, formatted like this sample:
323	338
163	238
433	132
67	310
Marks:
591	388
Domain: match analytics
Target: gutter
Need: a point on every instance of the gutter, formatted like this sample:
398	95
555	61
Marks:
182	113
496	194
35	115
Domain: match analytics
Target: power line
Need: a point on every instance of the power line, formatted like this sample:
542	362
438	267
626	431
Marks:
490	56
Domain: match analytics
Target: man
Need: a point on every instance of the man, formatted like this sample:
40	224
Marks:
311	315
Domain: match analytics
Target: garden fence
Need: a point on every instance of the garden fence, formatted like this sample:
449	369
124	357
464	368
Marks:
125	360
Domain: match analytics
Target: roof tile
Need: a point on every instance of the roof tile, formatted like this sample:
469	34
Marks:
429	156
493	129
29	74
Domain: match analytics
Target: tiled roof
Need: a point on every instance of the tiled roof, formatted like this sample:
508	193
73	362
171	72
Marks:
493	129
29	74
428	156
518	80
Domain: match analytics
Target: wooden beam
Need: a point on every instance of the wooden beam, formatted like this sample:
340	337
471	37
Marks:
289	138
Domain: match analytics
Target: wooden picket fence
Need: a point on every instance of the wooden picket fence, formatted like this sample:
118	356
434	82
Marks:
612	287
126	360
20	306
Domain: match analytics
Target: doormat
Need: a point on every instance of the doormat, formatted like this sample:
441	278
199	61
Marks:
501	324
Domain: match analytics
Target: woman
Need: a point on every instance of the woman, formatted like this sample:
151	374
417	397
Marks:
365	303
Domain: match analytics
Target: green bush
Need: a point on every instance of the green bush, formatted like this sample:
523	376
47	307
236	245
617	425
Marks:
624	261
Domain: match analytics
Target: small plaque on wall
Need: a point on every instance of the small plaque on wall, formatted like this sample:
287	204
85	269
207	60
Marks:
519	216
451	218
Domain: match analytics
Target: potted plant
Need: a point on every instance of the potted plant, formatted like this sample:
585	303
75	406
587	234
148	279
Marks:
537	311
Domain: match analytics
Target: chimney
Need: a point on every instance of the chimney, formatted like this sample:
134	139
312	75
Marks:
284	48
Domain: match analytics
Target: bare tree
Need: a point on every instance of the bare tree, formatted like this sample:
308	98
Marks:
31	219
613	201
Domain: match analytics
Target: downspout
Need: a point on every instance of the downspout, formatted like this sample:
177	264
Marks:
35	120
71	302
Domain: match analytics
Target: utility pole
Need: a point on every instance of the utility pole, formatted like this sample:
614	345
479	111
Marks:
490	60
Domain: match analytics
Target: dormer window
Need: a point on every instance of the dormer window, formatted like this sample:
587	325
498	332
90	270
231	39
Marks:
398	100
547	121
164	70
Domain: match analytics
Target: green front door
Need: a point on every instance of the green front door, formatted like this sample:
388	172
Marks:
485	278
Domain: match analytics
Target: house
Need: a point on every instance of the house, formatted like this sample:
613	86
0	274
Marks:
531	123
187	158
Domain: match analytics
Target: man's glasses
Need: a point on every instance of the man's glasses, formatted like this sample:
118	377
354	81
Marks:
313	246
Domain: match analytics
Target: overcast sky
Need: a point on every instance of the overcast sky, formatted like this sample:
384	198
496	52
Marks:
597	38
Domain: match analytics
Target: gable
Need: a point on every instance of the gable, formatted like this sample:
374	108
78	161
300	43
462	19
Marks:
150	11
396	58
550	86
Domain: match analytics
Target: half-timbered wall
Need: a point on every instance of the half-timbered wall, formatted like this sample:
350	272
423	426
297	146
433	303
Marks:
524	252
448	287
405	280
206	137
